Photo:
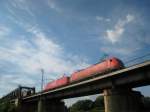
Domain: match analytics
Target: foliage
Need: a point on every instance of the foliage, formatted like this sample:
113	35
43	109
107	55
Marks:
88	106
146	103
7	107
81	106
96	110
98	105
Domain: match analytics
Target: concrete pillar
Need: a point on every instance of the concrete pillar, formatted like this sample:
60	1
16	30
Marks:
122	100
17	104
41	105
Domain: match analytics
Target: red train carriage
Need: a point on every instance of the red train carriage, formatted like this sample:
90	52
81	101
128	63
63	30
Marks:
105	66
57	83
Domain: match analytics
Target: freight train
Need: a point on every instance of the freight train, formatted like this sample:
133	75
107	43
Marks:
106	66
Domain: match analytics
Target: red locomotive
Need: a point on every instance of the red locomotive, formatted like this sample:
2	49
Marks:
105	66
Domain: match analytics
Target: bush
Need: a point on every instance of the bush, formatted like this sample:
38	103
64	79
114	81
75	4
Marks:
88	105
7	107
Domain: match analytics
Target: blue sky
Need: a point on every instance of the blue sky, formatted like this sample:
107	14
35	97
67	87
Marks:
62	36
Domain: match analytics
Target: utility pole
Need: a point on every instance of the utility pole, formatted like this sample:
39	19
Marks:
42	80
40	103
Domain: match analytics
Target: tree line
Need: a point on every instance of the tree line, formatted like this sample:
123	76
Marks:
88	105
98	105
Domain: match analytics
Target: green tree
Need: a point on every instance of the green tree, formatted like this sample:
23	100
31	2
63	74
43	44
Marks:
98	104
7	107
96	110
147	103
88	105
81	106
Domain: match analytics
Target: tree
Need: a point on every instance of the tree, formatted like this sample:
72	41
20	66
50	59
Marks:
98	105
7	107
81	106
146	103
88	105
96	110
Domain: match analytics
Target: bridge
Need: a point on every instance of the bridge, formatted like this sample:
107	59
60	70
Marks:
117	88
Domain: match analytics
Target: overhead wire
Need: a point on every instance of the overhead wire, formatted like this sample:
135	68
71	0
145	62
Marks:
137	58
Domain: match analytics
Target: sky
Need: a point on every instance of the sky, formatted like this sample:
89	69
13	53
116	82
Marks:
62	36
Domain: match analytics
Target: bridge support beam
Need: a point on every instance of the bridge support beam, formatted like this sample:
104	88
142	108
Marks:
51	106
122	100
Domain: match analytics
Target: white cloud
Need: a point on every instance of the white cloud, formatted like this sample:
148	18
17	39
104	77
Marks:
40	52
4	31
127	39
114	50
129	18
115	34
20	5
10	81
99	18
52	4
108	20
45	53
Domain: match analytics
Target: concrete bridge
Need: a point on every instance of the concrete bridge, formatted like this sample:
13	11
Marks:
116	87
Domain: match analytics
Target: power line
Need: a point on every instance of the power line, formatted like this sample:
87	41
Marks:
137	58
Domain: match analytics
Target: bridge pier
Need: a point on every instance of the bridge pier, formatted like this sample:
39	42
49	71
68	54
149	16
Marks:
51	106
40	106
122	100
17	103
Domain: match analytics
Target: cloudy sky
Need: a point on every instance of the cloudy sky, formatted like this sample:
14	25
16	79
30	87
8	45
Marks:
62	36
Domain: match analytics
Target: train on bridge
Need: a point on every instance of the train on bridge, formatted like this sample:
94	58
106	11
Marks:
106	66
